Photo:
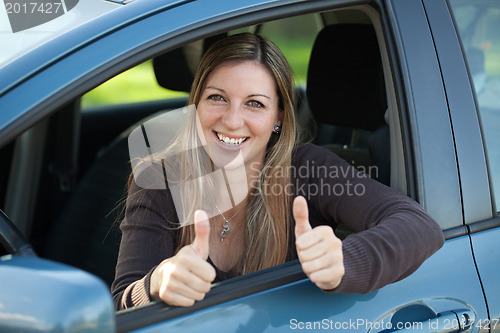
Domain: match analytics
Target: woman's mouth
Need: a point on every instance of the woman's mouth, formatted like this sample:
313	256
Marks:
230	141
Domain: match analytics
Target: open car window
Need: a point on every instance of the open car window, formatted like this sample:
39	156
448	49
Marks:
347	139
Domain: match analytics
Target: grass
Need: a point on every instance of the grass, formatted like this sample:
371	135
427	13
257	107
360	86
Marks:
298	54
135	85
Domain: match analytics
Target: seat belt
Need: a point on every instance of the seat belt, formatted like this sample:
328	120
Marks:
67	131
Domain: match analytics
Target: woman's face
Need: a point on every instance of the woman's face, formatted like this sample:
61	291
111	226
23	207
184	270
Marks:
238	110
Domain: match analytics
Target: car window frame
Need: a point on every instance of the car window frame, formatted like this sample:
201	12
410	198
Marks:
469	145
423	113
278	276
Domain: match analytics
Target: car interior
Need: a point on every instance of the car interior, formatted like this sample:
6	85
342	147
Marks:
75	165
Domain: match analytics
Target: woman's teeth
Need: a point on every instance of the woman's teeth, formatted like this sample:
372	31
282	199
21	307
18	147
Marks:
230	141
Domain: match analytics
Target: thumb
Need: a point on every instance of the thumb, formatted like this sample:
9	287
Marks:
301	216
202	233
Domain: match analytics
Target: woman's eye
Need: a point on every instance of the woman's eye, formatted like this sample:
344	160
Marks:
216	98
256	104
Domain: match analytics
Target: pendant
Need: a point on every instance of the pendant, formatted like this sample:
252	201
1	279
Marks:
225	230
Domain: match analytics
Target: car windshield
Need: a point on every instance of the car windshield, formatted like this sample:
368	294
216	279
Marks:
25	25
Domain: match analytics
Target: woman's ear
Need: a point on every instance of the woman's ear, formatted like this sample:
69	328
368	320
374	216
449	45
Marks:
280	117
277	127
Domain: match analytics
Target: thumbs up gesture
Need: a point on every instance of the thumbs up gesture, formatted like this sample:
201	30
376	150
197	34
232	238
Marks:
318	249
186	277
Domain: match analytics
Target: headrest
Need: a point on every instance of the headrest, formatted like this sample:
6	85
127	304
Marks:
175	70
345	82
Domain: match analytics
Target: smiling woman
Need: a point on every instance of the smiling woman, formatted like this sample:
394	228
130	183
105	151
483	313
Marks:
244	124
232	111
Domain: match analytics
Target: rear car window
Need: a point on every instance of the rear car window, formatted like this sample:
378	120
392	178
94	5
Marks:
478	24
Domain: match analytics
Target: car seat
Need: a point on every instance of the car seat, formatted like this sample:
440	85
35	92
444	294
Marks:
346	95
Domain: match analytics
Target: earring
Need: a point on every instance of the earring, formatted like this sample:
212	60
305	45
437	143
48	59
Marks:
277	129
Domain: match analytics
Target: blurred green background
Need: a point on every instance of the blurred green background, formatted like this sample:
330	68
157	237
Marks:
139	83
293	36
135	85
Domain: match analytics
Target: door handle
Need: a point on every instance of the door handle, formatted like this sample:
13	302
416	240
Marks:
421	318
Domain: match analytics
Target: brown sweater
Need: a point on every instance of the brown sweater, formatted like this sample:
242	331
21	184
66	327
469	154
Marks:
394	235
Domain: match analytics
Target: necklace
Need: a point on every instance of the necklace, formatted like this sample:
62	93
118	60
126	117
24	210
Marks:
225	226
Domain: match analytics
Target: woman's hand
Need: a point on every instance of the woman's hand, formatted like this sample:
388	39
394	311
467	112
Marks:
319	250
186	277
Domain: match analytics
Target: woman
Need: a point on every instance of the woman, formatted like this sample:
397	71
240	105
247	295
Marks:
292	197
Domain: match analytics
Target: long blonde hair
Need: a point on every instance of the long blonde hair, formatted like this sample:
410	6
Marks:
268	216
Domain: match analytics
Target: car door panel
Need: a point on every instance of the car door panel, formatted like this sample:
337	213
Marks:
486	253
438	284
425	113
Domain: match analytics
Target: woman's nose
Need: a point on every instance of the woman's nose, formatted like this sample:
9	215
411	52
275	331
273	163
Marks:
232	118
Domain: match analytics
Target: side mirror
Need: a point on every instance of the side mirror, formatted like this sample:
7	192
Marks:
38	295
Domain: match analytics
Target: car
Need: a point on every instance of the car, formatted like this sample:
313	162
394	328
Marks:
406	90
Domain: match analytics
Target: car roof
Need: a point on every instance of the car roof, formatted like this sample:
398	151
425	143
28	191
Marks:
16	42
43	46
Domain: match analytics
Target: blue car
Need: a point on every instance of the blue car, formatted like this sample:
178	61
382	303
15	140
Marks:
418	110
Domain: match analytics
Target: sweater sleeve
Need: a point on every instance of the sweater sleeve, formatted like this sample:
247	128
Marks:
393	234
148	237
